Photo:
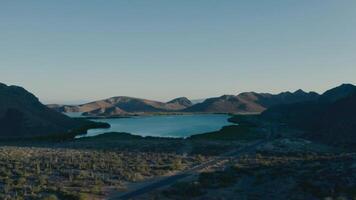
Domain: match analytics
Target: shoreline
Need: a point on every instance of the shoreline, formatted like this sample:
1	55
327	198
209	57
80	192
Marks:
229	120
155	114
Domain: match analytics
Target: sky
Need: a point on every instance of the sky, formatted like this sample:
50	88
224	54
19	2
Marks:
75	51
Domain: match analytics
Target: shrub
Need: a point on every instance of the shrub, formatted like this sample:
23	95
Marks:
50	197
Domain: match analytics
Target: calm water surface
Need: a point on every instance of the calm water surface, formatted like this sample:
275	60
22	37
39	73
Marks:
164	126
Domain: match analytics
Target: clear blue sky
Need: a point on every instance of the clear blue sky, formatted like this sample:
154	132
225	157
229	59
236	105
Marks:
69	51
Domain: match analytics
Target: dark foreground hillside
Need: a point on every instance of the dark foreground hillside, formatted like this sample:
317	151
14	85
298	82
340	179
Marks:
22	115
331	119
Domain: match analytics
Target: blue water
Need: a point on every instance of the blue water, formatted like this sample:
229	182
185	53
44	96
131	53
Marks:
165	125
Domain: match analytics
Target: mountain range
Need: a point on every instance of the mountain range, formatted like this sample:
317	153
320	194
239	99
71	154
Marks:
330	118
247	102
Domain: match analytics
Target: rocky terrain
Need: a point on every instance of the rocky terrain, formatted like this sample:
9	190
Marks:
23	115
70	174
274	177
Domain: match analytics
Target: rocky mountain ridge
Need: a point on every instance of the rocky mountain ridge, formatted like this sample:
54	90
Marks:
250	102
247	102
331	118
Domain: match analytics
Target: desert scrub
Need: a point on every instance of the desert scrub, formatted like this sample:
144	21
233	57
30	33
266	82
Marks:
40	173
184	190
260	176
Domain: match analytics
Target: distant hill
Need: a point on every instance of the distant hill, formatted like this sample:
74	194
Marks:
225	104
331	118
180	103
247	102
122	105
22	115
250	102
195	101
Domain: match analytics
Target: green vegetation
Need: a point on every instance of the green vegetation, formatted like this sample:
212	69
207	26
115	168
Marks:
113	136
85	126
57	173
218	179
78	131
233	132
247	120
247	129
184	190
289	176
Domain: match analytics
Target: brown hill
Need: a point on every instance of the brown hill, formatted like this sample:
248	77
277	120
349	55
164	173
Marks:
226	104
249	102
122	105
180	103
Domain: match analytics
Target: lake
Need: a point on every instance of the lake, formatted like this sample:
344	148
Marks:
164	125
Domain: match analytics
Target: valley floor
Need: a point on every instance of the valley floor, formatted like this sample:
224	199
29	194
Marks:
274	173
34	173
255	160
